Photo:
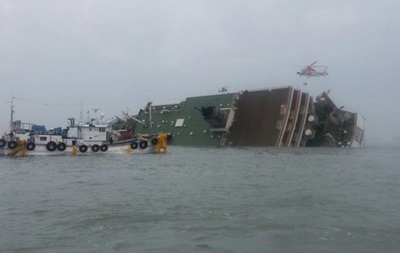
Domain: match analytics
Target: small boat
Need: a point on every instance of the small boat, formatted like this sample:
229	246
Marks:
76	139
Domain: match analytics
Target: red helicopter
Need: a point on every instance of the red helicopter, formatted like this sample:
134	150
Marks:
310	71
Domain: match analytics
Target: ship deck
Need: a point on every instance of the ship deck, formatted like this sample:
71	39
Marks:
261	117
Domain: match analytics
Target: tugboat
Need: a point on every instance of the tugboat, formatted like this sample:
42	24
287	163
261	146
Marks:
76	139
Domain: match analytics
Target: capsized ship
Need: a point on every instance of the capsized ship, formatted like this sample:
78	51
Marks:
281	117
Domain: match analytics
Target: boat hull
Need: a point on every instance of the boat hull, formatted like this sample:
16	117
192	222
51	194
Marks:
73	150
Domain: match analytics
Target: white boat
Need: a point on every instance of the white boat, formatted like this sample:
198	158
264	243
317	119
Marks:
76	139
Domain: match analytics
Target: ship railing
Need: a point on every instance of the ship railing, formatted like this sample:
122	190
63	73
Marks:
219	130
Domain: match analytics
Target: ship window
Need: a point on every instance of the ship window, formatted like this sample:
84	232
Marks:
102	130
279	124
283	109
42	138
303	109
179	122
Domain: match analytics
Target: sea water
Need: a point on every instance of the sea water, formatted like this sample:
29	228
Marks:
203	200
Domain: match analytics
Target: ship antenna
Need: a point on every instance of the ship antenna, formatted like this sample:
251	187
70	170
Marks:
88	116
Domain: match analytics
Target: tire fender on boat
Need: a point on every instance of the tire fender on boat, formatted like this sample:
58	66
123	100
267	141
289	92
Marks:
134	145
143	144
104	147
95	148
83	148
30	146
51	146
61	146
3	143
12	144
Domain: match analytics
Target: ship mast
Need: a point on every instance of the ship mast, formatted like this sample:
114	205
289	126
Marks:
12	114
81	113
151	124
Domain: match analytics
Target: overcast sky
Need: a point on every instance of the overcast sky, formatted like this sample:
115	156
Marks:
114	55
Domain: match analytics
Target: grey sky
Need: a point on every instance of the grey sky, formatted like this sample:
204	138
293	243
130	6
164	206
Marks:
122	53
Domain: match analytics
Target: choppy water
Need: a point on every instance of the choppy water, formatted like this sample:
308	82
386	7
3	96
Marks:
203	200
